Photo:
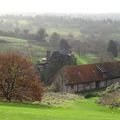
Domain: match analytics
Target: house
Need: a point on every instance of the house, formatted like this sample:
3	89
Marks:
53	57
75	78
52	63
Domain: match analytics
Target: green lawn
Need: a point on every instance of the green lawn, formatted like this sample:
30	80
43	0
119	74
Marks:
84	109
88	58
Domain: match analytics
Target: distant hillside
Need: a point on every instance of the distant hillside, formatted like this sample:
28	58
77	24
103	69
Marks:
87	34
32	49
64	24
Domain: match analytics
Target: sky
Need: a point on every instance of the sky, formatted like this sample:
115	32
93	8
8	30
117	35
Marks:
59	6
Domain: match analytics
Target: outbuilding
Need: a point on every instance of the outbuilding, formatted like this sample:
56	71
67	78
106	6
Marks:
75	78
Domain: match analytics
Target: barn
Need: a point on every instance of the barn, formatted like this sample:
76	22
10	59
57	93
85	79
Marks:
75	78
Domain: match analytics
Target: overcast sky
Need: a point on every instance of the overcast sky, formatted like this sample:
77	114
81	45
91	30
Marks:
59	6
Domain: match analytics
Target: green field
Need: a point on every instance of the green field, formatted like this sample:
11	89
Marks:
51	27
34	50
84	109
64	30
88	58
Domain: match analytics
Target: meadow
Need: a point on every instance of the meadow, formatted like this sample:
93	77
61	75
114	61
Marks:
85	59
32	49
64	30
35	50
80	109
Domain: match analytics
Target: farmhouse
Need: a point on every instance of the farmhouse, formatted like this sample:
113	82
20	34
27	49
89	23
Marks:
75	78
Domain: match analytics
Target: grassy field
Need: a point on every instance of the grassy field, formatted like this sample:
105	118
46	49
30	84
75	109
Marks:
82	109
89	58
63	30
33	49
50	27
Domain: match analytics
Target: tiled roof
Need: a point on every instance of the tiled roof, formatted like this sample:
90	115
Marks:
76	74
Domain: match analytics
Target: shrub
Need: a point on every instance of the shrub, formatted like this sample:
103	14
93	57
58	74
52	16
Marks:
111	96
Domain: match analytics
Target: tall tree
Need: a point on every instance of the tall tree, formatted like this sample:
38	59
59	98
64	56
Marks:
18	81
55	37
41	34
112	47
64	46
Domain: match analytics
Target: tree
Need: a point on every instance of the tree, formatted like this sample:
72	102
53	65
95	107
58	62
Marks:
41	34
17	31
112	47
56	62
64	46
25	31
18	81
70	36
55	37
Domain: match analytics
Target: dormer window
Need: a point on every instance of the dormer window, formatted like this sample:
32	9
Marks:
101	69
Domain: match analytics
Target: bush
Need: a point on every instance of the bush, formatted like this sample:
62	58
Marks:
112	88
111	96
51	98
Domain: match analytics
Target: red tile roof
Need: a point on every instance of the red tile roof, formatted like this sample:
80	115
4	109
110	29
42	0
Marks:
76	74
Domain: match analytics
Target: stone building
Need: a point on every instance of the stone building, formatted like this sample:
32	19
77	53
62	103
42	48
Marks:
75	78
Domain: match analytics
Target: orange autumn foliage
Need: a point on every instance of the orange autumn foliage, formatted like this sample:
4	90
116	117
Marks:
18	80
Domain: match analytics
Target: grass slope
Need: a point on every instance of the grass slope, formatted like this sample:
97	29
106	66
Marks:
84	109
33	49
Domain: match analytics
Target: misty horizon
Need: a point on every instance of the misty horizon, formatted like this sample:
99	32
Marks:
59	7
